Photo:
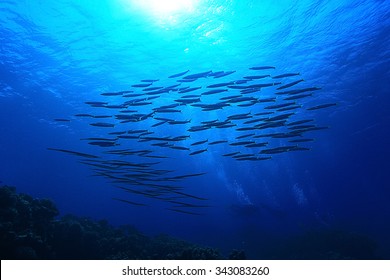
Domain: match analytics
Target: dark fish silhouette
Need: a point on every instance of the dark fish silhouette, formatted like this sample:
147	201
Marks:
198	152
179	74
285	75
262	67
322	106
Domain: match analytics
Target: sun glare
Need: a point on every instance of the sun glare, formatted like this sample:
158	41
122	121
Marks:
166	7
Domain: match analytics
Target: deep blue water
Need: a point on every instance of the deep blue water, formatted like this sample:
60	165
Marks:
56	56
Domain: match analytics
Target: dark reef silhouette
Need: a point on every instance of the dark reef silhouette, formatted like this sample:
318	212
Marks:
30	228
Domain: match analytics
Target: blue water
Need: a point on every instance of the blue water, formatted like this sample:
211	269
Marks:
55	55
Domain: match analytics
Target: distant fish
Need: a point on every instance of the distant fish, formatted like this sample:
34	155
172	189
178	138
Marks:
149	81
199	142
198	152
262	67
182	211
223	74
256	77
298	96
141	85
179	122
189	89
301	140
179	74
245	136
290	84
62	120
241	143
322	106
230	154
300	122
257	145
130	202
101	124
198	75
73	153
83	115
285	75
289	108
220	85
102	117
96	103
103	143
179	148
111	93
152	88
218	142
213	91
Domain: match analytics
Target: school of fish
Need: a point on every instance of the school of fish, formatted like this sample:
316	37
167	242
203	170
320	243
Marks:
248	119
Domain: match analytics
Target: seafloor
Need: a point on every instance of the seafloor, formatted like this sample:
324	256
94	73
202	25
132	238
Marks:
31	228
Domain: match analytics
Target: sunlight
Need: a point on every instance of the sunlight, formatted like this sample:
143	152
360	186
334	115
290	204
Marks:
166	7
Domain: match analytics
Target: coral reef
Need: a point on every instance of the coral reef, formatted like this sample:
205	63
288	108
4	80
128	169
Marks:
29	230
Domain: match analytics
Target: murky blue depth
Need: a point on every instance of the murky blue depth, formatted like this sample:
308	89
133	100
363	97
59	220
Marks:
57	55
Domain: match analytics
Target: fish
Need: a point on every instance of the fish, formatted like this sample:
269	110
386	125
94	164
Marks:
101	117
220	85
182	211
199	142
218	142
277	150
191	96
290	84
289	108
230	154
213	91
178	74
187	100
141	85
179	148
295	97
167	111
159	123
189	89
83	115
74	153
301	140
300	122
111	93
242	143
285	75
103	143
257	145
245	136
239	116
230	97
179	122
139	113
62	120
262	67
101	124
198	75
322	106
265	100
256	77
151	89
279	105
129	202
96	103
198	152
223	74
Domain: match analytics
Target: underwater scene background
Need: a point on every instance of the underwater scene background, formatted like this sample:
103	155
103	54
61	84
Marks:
248	125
